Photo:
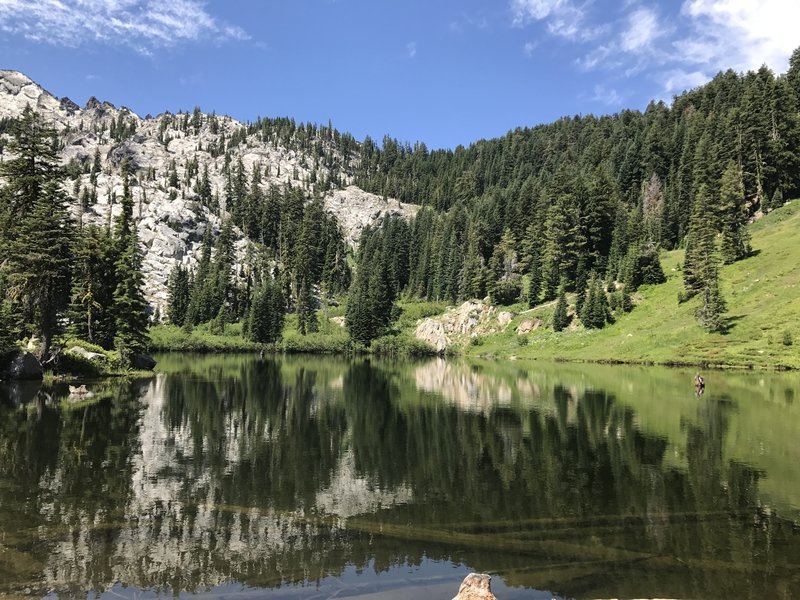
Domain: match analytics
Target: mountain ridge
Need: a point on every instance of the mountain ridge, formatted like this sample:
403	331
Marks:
172	220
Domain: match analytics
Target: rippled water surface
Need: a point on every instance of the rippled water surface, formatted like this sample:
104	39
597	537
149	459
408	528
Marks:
305	477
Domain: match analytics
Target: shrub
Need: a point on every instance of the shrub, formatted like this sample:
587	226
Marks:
401	345
506	292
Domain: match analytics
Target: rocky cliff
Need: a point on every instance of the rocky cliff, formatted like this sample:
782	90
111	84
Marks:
172	220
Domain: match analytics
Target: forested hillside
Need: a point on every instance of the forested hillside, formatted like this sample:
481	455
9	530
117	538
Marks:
582	194
258	217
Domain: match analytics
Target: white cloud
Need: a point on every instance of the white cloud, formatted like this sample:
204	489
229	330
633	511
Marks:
643	29
411	49
598	56
529	47
741	34
563	18
466	22
675	46
680	79
607	96
525	11
144	25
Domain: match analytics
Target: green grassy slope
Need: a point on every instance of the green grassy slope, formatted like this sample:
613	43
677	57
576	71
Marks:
763	302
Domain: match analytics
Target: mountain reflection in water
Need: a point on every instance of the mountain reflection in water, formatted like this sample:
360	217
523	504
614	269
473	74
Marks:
305	477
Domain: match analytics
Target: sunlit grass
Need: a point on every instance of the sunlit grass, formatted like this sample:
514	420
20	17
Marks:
763	314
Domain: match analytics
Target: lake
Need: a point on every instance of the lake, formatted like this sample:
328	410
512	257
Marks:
317	477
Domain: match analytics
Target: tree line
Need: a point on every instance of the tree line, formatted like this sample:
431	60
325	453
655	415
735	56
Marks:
582	206
56	276
596	198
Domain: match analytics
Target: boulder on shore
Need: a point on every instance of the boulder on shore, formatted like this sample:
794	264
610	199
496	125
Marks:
20	366
476	586
144	362
87	354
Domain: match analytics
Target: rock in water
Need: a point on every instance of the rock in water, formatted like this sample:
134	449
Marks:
20	366
476	586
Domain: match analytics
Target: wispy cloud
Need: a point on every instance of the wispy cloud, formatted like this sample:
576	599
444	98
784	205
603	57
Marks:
465	22
563	18
643	30
411	49
678	49
144	25
608	96
740	34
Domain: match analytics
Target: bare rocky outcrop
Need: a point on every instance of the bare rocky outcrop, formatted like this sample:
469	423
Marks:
171	221
460	324
476	586
529	325
87	354
356	209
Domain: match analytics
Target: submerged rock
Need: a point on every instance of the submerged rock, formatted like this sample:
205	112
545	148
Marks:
476	586
20	366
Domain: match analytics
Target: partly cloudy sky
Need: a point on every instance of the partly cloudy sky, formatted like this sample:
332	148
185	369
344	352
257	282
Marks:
445	72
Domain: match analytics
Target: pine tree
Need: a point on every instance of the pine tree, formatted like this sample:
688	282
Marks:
91	313
130	306
306	313
535	283
179	295
198	308
595	309
700	259
733	215
371	298
37	233
711	311
560	317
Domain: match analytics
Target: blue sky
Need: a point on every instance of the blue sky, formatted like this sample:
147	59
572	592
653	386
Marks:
445	72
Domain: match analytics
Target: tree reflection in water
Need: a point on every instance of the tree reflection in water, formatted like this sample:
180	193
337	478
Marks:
284	471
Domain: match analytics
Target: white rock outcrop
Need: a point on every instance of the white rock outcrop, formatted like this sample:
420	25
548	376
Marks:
458	325
171	222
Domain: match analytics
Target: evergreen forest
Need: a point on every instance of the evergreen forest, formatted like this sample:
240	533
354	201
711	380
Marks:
574	213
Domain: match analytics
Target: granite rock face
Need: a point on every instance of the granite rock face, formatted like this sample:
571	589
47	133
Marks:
171	221
458	325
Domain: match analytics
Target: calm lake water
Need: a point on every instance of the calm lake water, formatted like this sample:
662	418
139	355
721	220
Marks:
307	477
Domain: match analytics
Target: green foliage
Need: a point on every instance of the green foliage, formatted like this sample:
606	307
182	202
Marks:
733	215
401	345
374	289
267	314
560	317
37	233
94	280
130	306
199	339
595	313
506	292
786	338
710	313
179	291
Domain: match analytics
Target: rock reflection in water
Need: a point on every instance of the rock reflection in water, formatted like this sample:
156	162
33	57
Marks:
263	473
